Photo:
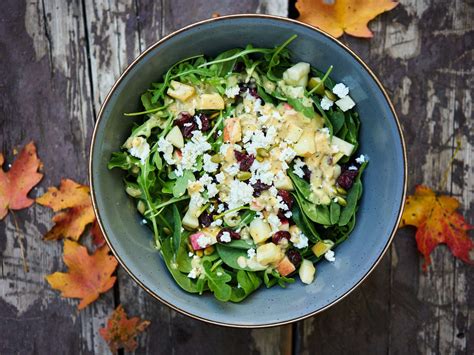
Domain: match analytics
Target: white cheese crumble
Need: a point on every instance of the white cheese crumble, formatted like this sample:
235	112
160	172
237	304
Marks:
212	190
208	165
262	171
251	253
191	151
274	222
325	130
220	208
220	177
353	168
194	273
299	240
361	159
190	254
232	91
340	90
330	256
287	154
198	121
297	168
288	214
326	104
258	139
140	148
203	241
225	237
240	194
233	169
216	223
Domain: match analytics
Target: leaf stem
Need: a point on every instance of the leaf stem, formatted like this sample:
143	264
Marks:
322	80
230	211
169	202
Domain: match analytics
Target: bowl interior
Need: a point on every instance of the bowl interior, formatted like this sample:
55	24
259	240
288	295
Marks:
384	179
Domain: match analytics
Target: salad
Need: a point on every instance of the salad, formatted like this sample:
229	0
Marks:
244	167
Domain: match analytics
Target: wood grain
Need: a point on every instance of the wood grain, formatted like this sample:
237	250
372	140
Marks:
419	53
57	62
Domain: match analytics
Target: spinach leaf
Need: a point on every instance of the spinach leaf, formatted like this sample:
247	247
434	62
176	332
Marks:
217	280
248	281
176	229
231	252
334	212
270	279
337	121
181	279
308	111
181	184
304	224
302	186
316	213
349	210
122	160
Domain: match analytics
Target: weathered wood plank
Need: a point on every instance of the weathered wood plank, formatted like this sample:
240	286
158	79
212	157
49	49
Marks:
134	26
419	52
45	96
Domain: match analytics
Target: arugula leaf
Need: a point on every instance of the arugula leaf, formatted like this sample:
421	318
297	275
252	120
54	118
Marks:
273	277
181	183
231	252
217	280
122	160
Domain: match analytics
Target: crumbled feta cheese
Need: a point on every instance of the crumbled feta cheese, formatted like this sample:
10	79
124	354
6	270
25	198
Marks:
144	221
263	119
220	208
141	149
190	254
240	194
288	214
326	104
287	154
233	169
251	253
298	168
219	133
330	256
198	121
208	165
203	241
262	171
281	204
212	190
166	148
325	130
232	91
193	274
274	221
353	168
258	139
220	177
205	180
188	124
299	240
225	237
192	150
216	223
361	159
340	90
273	191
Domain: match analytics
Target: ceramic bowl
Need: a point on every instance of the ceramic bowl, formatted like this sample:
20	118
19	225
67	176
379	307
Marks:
384	179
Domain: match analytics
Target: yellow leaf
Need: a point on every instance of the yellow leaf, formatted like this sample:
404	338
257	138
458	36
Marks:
338	16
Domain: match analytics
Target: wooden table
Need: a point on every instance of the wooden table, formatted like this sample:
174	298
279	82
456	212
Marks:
58	60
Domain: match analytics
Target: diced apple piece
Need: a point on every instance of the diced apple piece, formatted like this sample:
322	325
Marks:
175	137
180	91
344	147
269	253
285	267
306	145
210	102
336	157
190	219
321	247
232	130
199	241
283	182
259	230
297	75
307	272
293	133
346	103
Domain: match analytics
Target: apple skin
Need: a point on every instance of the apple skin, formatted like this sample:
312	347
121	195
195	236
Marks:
285	267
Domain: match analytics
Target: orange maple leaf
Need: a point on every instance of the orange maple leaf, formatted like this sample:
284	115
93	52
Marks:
76	199
121	332
338	16
19	180
88	275
97	236
437	222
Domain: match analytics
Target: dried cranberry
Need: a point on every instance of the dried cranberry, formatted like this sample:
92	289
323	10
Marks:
346	179
294	256
307	173
206	218
233	235
286	197
245	160
253	92
205	122
188	129
239	67
258	187
282	217
280	235
183	117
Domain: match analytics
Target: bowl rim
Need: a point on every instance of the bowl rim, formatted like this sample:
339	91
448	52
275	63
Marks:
223	18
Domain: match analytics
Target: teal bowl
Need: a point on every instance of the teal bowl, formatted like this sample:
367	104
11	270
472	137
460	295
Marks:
384	180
